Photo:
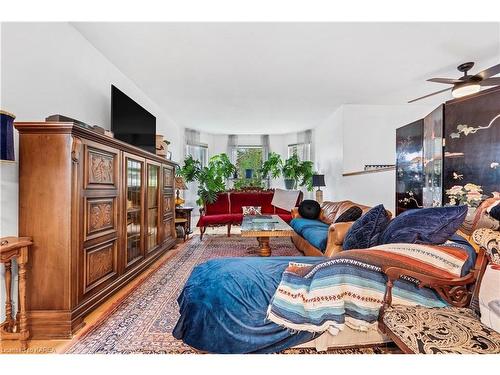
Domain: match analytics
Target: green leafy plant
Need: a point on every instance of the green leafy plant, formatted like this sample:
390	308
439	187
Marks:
191	169
300	172
273	166
211	179
296	173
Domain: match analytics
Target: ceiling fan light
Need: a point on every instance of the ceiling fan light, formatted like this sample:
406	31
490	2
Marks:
462	90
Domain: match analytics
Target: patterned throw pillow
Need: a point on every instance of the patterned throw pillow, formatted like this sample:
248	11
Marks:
351	214
251	210
365	231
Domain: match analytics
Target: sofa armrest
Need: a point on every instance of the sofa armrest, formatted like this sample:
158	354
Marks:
336	236
202	211
295	213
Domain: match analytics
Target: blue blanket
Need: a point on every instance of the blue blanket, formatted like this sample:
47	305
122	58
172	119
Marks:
224	303
223	306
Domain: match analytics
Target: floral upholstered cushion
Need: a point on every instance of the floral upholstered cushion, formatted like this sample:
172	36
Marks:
441	330
251	210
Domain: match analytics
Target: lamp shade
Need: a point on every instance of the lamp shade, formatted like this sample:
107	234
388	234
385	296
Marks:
318	180
180	184
6	136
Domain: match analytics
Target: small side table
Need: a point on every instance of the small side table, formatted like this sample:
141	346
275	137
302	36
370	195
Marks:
185	213
15	248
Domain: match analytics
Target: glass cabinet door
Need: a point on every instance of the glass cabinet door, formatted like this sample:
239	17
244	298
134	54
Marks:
134	210
153	206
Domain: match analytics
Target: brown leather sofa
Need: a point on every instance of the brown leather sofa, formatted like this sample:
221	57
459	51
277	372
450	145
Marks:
330	211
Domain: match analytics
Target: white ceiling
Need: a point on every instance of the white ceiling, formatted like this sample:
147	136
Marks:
281	77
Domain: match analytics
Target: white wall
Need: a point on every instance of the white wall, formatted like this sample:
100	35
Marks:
50	68
356	135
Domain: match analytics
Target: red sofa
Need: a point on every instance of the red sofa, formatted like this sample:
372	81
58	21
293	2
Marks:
227	209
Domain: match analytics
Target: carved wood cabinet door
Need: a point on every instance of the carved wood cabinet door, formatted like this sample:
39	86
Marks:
168	203
99	222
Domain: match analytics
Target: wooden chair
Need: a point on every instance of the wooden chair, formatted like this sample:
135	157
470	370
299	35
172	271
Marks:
454	329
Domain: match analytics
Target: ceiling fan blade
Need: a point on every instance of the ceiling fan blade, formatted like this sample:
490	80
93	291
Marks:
490	81
490	72
434	93
445	80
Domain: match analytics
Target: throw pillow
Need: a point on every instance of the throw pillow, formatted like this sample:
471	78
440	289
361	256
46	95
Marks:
309	209
428	226
251	210
365	231
351	214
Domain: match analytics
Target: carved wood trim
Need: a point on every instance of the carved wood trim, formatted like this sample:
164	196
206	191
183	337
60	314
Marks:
168	176
51	127
76	148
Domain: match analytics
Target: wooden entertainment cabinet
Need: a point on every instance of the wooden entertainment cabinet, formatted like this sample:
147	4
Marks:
99	212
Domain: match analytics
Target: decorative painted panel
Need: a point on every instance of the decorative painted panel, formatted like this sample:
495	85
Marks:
100	264
100	216
472	150
409	166
168	177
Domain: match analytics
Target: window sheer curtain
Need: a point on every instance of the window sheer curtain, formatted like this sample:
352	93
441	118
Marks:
232	144
198	151
264	140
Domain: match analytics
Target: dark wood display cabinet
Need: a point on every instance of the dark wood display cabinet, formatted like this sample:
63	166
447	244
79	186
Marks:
99	211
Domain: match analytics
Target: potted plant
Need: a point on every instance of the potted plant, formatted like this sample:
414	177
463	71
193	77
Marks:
211	179
297	173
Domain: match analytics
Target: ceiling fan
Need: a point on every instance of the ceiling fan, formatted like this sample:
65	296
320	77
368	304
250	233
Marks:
467	84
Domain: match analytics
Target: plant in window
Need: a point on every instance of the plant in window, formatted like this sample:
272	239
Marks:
273	166
297	173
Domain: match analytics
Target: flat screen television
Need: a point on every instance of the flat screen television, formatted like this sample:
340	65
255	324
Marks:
130	122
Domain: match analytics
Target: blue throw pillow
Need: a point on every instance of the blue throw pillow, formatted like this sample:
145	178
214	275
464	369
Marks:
365	231
431	226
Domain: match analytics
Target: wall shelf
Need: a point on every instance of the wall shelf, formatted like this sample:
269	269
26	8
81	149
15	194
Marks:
385	169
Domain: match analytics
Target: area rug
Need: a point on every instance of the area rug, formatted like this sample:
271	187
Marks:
143	321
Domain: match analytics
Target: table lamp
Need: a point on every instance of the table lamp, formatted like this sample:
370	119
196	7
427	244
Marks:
180	184
318	181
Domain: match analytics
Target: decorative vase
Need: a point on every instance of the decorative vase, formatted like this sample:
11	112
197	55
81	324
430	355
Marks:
289	184
7	136
248	173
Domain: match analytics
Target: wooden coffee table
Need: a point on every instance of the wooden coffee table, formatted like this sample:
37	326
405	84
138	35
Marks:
253	226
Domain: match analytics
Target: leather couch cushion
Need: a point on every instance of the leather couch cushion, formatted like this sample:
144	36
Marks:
220	206
351	214
316	236
299	224
329	211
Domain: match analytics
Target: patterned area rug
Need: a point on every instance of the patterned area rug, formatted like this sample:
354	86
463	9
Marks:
143	321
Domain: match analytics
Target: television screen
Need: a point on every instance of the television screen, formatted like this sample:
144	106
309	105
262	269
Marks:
130	122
